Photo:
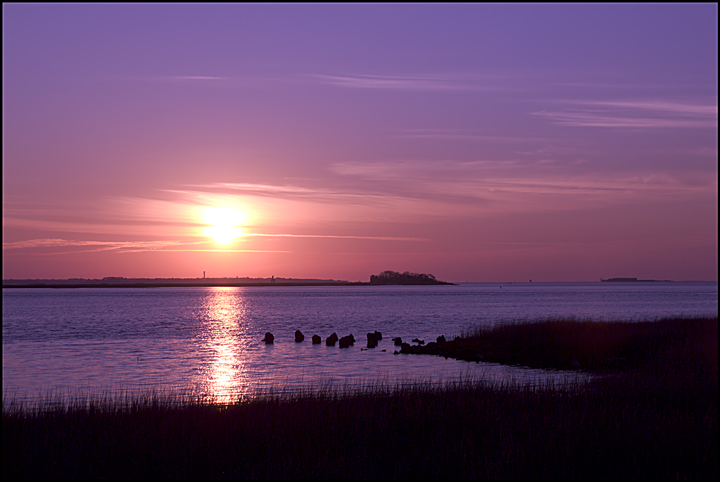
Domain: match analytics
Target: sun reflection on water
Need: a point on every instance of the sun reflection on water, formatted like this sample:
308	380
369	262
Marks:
224	332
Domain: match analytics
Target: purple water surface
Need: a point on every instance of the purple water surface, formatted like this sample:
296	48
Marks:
208	340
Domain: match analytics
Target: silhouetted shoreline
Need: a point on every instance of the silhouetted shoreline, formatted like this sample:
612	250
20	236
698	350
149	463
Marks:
569	344
189	284
199	284
120	282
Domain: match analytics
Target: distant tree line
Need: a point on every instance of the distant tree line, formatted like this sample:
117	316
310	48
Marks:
406	278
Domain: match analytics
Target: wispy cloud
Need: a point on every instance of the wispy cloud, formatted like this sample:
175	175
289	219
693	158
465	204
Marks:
334	236
634	114
662	106
502	186
365	198
265	189
273	211
131	224
50	245
295	207
196	77
421	82
346	196
58	246
461	134
580	118
413	171
167	78
126	246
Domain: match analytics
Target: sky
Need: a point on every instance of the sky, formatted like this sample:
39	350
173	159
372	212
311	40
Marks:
474	142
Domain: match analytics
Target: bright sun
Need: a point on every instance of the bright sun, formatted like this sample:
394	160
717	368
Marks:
224	224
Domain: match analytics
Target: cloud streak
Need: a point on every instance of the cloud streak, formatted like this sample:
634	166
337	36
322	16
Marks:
117	246
531	186
335	236
644	114
196	77
412	82
49	246
462	134
120	246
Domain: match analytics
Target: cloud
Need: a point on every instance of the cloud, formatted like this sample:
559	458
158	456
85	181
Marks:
333	236
494	187
364	201
265	189
414	170
119	246
131	224
196	77
98	245
657	105
346	196
49	246
416	82
290	208
461	134
650	114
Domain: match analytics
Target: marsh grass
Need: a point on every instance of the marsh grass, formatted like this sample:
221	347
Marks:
655	418
571	344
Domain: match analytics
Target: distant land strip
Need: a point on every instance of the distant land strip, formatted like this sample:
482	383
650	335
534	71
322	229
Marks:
120	282
630	280
169	282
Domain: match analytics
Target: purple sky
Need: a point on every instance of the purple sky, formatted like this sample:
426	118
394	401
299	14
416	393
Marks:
474	142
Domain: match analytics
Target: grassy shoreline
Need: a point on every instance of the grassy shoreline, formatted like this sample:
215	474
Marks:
653	418
571	344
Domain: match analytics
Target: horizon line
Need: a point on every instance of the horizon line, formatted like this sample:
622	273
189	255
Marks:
208	278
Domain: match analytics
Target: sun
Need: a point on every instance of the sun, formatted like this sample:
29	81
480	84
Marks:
224	234
224	224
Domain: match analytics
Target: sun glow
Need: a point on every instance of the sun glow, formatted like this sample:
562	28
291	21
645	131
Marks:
224	224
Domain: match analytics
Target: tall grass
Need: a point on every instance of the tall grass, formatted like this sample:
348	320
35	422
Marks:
655	419
568	344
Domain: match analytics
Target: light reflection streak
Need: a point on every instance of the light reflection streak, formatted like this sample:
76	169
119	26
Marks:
225	327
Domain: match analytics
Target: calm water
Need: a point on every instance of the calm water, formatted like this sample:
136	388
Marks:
208	340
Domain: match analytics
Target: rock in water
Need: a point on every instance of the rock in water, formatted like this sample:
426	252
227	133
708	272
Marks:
346	341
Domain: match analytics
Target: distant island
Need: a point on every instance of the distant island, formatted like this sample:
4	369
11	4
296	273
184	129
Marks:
384	278
406	278
615	280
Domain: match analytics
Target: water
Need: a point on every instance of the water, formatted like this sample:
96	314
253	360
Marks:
208	340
